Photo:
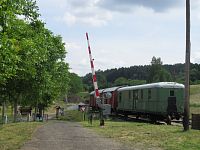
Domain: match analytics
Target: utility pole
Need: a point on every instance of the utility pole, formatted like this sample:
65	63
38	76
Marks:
187	69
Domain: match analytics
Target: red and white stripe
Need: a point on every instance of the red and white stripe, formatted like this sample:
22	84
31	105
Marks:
92	68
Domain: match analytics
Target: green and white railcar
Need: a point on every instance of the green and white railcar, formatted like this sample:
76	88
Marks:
157	100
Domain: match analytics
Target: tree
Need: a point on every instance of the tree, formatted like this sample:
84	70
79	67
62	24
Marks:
75	84
157	72
8	13
121	81
32	68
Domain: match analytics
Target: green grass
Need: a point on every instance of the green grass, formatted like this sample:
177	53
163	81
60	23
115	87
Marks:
195	99
72	115
14	135
194	89
52	110
143	135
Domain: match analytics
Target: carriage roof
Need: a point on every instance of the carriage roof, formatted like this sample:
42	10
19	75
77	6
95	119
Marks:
106	90
154	85
100	91
110	89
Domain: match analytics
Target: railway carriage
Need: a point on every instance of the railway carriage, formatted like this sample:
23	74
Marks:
112	101
158	101
92	101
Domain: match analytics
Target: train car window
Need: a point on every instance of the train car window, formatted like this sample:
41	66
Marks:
120	97
172	93
129	94
135	94
149	94
141	94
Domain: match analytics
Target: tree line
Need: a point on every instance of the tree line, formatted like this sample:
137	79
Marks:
32	68
136	75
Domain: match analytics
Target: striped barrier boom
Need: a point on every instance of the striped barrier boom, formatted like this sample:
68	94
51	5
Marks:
92	68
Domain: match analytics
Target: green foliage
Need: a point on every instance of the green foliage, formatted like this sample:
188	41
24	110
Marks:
121	81
32	67
157	72
75	84
136	82
8	38
84	96
141	73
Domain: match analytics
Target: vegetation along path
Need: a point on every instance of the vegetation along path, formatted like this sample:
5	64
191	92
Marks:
61	135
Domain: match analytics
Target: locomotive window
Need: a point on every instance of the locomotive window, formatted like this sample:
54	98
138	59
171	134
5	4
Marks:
129	94
141	94
149	94
172	93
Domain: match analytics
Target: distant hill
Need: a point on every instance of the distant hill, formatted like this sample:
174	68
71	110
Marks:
139	74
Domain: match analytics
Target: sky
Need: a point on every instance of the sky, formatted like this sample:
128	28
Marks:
122	33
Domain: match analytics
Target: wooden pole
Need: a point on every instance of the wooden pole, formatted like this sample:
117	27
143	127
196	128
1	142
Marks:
187	69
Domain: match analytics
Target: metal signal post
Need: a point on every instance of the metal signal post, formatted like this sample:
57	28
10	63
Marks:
97	95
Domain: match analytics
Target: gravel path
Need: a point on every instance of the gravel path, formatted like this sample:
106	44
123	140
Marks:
59	135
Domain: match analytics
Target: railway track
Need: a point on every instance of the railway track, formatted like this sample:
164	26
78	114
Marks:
131	118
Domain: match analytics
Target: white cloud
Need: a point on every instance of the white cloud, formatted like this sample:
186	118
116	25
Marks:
72	45
69	19
92	19
93	12
89	15
126	38
196	57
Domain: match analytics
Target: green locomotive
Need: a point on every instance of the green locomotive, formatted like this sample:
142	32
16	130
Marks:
158	101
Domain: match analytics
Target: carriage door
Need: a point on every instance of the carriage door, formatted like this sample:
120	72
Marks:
172	108
135	98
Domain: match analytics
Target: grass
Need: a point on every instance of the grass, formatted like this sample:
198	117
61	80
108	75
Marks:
72	115
195	99
14	135
52	109
138	135
142	135
149	136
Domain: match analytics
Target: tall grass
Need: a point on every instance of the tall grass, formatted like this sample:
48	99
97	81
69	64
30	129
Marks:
149	136
14	135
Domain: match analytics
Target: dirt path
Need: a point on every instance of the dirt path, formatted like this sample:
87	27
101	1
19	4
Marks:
59	135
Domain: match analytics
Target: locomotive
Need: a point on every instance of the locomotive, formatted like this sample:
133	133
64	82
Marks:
156	101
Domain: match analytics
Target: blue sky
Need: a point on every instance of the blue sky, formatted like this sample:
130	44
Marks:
122	33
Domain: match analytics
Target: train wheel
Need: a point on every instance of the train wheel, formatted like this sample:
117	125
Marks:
169	120
126	117
177	117
153	119
115	113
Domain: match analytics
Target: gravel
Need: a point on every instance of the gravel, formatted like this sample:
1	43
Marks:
60	135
